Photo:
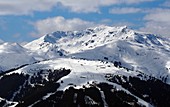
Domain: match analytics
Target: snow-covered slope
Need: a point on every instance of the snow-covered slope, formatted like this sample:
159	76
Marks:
77	41
147	53
13	55
84	74
101	66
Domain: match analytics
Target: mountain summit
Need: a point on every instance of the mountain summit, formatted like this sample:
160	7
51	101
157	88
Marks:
98	67
78	41
137	50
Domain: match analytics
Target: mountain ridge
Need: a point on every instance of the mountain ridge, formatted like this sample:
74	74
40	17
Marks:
121	66
13	55
132	48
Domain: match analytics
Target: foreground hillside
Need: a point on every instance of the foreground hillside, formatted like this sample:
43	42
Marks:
98	67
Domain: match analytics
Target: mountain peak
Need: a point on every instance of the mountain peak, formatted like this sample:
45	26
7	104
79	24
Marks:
11	47
49	38
52	37
93	37
94	60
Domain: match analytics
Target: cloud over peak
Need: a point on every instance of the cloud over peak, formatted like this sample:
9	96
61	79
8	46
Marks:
157	21
59	23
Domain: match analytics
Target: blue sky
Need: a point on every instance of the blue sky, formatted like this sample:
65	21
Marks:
26	20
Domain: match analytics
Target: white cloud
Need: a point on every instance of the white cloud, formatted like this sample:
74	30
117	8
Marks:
105	21
158	22
135	1
94	6
60	24
157	28
27	7
123	23
24	7
158	15
125	10
81	5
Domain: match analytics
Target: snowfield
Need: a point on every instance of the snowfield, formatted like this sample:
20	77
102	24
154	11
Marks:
83	71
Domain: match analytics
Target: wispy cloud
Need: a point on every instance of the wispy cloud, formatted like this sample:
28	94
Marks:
157	21
158	15
59	23
94	6
27	7
123	23
125	10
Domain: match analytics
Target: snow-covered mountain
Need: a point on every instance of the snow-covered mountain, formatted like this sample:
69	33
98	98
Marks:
13	55
135	50
102	66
